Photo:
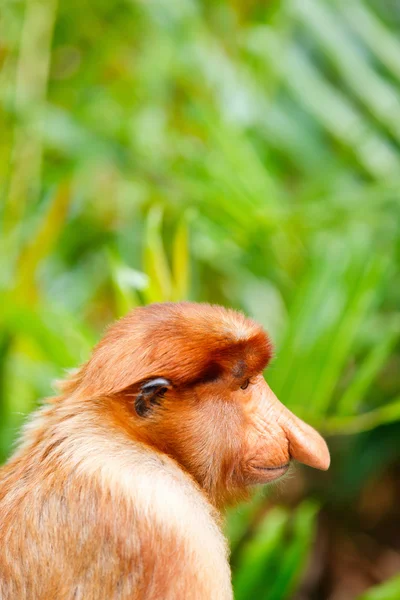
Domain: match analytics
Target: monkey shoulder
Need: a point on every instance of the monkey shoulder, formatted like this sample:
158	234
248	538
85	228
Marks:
116	518
162	525
124	521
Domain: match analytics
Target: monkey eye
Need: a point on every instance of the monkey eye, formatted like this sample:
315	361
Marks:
245	384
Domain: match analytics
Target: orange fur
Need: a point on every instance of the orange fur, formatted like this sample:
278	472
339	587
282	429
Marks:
184	340
99	502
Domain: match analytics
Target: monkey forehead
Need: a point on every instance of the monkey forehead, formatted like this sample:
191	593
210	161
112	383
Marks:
202	319
185	342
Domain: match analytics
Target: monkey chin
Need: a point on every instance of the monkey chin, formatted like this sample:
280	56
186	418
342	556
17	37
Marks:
261	475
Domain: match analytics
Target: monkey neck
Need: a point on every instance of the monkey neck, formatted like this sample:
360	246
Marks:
69	428
212	482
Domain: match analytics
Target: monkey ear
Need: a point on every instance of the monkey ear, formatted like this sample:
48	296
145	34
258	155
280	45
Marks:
149	394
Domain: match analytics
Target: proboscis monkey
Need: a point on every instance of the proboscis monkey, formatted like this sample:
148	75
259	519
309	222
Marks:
115	489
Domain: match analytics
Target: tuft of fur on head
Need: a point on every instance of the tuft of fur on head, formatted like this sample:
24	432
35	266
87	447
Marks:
189	343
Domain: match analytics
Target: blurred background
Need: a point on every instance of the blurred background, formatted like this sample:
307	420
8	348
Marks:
239	152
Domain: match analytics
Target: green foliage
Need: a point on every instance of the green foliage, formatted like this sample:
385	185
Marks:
271	562
390	590
232	152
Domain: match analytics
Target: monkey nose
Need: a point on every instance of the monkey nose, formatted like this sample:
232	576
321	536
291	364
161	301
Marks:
305	444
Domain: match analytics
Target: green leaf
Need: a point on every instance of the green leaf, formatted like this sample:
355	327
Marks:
295	555
390	590
180	261
354	67
366	373
273	560
155	260
126	282
259	553
388	413
381	41
42	242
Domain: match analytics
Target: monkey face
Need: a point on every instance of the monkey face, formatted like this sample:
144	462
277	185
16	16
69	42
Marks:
230	434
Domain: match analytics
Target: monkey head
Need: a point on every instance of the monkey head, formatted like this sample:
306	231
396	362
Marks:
186	379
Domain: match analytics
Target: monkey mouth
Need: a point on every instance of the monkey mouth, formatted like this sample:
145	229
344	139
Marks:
260	475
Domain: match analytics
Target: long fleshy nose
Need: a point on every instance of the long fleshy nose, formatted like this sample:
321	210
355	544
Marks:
305	443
